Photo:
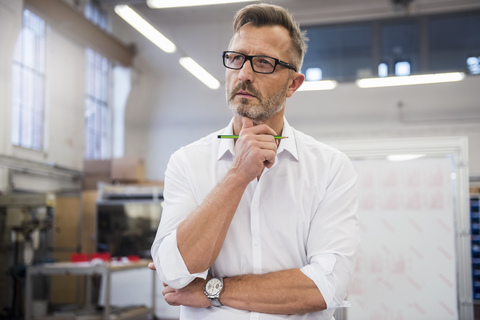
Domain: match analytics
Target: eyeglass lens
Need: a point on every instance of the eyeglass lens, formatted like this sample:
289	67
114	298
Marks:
260	64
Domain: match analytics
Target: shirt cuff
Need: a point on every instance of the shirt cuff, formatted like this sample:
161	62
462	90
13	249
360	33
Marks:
321	267
172	269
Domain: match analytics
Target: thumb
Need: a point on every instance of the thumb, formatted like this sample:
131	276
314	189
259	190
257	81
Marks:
151	266
247	123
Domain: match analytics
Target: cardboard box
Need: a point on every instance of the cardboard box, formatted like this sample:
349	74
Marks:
89	221
97	167
91	182
66	240
128	169
96	171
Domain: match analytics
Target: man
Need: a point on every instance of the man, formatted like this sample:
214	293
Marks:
258	227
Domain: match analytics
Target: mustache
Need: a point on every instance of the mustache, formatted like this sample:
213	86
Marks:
245	86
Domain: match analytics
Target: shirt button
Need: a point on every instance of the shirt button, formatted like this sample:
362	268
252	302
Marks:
256	244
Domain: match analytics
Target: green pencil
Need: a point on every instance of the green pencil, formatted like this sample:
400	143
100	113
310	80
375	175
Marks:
236	137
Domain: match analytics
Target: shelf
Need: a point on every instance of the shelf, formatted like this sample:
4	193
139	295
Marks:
85	268
475	246
88	269
125	313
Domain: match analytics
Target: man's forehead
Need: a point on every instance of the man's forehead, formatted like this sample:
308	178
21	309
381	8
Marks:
263	38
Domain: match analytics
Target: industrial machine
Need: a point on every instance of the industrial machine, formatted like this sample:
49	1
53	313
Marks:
26	238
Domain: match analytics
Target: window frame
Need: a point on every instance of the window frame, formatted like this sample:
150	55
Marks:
98	138
35	137
101	112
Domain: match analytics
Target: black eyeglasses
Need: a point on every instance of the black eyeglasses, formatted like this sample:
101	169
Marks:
260	64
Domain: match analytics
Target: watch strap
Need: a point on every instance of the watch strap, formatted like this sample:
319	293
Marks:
215	302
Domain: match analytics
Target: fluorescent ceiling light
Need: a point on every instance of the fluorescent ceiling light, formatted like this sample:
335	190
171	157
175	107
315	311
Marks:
145	28
410	80
404	157
161	4
318	85
200	73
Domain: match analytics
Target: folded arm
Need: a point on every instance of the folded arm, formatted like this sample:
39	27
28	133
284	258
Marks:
281	292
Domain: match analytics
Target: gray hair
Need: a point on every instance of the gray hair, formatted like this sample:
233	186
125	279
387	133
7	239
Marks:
263	14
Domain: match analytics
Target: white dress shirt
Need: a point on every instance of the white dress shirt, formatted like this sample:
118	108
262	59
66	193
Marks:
301	214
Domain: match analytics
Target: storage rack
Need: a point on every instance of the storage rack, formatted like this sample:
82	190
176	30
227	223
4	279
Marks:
88	269
475	229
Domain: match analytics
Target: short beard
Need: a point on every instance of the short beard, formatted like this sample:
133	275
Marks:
261	112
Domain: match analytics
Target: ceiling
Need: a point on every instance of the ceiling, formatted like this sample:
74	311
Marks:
315	11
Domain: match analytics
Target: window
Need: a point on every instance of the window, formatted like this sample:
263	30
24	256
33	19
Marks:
383	70
95	14
402	68
340	51
28	84
473	65
399	46
453	40
313	74
97	113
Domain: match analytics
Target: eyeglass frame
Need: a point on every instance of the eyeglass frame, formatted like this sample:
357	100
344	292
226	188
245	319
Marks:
249	57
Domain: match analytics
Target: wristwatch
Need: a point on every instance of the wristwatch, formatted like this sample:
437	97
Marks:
212	290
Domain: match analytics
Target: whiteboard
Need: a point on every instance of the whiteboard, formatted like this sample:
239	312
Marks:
406	266
414	255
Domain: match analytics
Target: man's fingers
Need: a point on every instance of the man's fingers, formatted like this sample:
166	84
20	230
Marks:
151	266
169	298
247	122
167	290
261	129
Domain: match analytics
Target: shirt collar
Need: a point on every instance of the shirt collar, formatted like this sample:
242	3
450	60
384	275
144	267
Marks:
288	144
226	145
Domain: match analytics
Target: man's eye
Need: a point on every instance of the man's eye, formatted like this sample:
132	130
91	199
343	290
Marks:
266	63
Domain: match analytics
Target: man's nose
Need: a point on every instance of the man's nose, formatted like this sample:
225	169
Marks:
246	73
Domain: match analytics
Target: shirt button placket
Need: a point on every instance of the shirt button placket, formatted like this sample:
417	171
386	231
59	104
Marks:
256	241
255	228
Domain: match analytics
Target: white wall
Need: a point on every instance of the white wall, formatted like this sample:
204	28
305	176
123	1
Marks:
434	110
65	103
10	23
9	27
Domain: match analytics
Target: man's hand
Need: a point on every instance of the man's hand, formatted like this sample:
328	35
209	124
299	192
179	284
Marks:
151	266
255	149
190	296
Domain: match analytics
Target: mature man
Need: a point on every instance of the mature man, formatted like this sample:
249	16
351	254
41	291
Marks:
260	226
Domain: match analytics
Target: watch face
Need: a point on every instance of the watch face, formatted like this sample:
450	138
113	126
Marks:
213	286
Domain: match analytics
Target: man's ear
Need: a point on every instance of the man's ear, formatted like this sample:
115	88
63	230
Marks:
296	81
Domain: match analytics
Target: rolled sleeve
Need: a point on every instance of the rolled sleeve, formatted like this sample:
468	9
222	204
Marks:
172	269
321	272
180	201
333	237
